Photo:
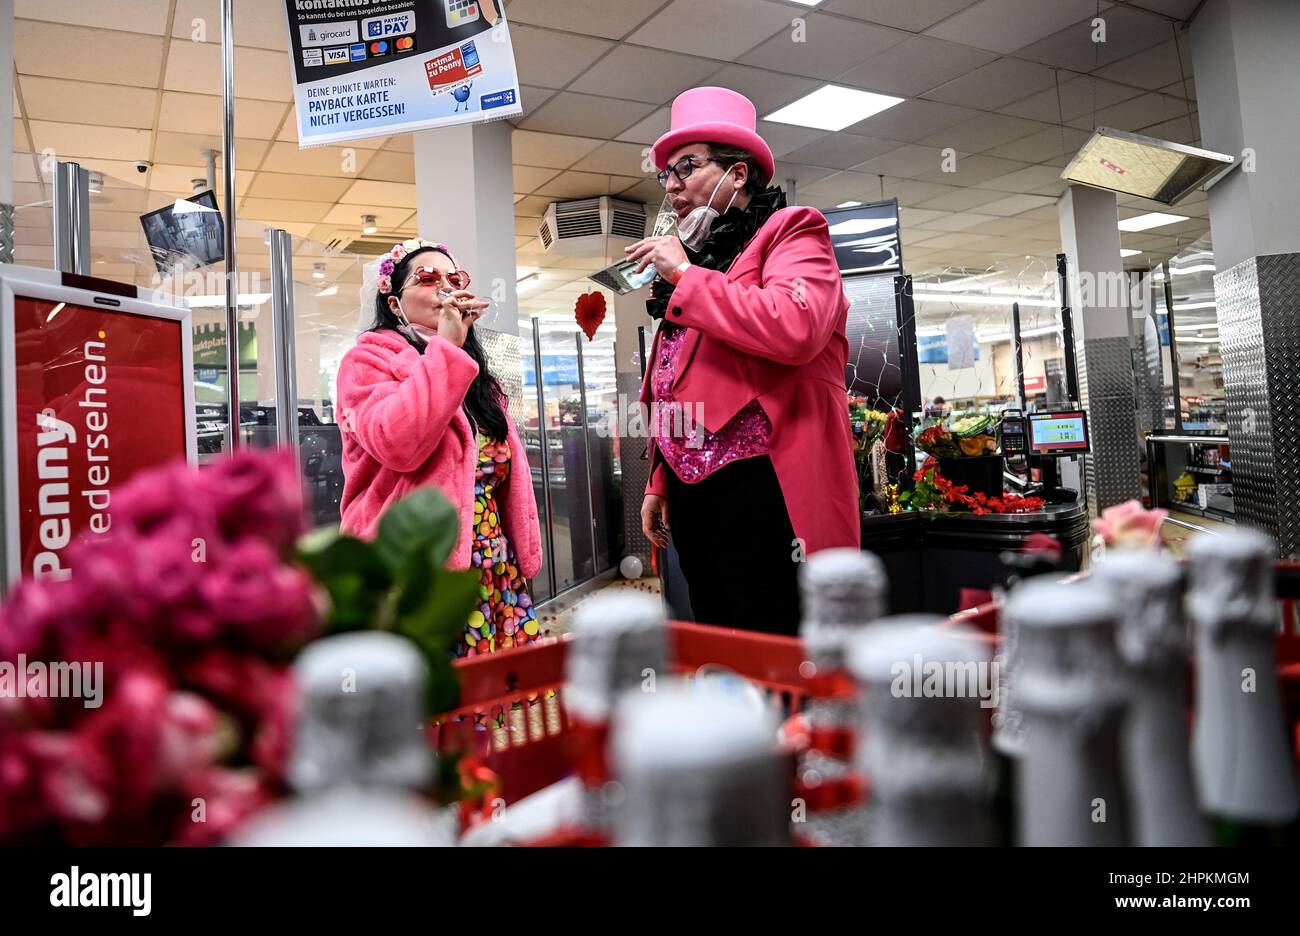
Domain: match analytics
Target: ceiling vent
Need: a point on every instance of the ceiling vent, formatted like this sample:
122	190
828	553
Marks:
583	228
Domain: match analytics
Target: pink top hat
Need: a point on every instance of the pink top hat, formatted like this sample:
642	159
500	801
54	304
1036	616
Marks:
714	115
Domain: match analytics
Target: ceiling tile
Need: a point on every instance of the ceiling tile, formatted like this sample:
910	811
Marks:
387	166
1006	25
912	192
275	210
979	133
368	192
259	25
914	15
528	178
1016	204
610	19
1134	114
801	174
259	73
531	98
387	217
1127	32
972	170
1024	180
532	206
201	113
549	149
995	84
585	115
1041	146
829	46
179	179
841	150
786	138
289	134
1180	129
83	102
640	74
626	159
1154	68
912	120
1078	96
1005	226
904	162
550	59
70	140
81	54
185	149
298	187
319	160
648	129
962	199
580	185
957	221
845	186
138	16
719	29
916	64
767	90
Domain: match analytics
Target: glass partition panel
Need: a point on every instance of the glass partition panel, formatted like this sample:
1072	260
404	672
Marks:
1199	365
606	475
33	213
531	434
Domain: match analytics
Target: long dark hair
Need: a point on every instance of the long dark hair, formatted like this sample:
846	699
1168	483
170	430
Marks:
483	401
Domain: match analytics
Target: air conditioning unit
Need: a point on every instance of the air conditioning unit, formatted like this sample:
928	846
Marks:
592	227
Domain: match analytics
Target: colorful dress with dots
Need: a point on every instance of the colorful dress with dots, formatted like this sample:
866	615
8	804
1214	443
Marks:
505	616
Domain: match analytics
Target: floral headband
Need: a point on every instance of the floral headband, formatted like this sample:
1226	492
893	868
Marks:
399	253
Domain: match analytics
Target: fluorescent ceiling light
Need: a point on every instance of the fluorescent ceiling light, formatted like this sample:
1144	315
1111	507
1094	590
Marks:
832	108
848	204
531	281
1188	306
1141	165
1198	268
1128	252
1153	219
807	3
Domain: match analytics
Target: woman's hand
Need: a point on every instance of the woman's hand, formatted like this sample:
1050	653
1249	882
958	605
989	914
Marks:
666	253
458	310
654	520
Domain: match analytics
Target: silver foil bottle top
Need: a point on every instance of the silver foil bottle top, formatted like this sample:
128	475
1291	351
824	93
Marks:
1147	587
1231	582
843	591
620	642
361	714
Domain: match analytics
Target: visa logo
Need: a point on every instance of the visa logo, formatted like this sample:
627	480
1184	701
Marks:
336	56
381	27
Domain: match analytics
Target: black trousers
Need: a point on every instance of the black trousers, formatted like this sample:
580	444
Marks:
737	548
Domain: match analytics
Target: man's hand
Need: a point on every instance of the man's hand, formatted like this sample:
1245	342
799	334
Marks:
666	253
654	520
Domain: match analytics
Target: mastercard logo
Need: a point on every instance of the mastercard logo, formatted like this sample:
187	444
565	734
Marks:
405	43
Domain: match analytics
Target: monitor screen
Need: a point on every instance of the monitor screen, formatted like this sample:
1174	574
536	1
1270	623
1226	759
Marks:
187	233
1059	433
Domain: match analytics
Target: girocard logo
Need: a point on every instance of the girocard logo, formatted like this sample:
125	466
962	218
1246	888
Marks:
323	34
450	69
382	27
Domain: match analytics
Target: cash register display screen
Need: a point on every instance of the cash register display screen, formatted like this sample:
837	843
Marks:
1058	433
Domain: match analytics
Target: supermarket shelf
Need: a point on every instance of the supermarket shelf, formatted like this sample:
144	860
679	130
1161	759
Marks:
1209	513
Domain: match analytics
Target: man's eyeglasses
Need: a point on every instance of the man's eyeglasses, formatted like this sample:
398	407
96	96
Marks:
430	276
683	168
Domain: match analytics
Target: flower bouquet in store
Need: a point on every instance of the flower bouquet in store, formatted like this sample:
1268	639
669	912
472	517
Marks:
966	447
1127	526
154	703
935	492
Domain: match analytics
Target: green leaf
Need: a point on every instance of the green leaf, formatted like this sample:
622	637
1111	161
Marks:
351	571
423	522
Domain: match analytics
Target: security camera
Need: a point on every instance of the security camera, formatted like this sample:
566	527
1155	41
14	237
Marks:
142	166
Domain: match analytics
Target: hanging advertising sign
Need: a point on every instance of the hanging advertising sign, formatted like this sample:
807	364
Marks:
367	68
95	386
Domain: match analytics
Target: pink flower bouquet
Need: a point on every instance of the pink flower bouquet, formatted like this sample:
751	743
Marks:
1130	526
190	610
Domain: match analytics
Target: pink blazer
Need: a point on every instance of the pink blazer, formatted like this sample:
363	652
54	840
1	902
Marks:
404	428
772	329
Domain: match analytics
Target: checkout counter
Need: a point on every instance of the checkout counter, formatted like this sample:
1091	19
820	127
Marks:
931	556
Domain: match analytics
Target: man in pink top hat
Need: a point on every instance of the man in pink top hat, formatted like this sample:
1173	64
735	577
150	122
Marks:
751	455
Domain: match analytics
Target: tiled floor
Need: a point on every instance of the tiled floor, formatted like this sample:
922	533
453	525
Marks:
557	616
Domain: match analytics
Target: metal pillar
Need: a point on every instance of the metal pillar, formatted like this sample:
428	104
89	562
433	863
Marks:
282	325
232	267
72	218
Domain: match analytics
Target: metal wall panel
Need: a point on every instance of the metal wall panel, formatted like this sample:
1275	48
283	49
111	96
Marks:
502	351
7	221
636	469
1258	303
1106	389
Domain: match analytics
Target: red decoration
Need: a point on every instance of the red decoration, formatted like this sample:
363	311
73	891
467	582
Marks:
589	312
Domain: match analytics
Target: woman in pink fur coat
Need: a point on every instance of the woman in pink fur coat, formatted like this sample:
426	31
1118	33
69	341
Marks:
419	407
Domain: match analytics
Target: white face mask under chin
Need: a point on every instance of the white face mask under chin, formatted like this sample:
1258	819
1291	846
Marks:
694	228
411	329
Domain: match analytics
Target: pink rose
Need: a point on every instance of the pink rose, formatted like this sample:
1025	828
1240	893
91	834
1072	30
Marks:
261	695
256	494
258	600
228	798
1130	525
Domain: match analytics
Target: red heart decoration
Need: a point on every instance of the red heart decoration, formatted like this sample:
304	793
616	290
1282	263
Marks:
589	312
